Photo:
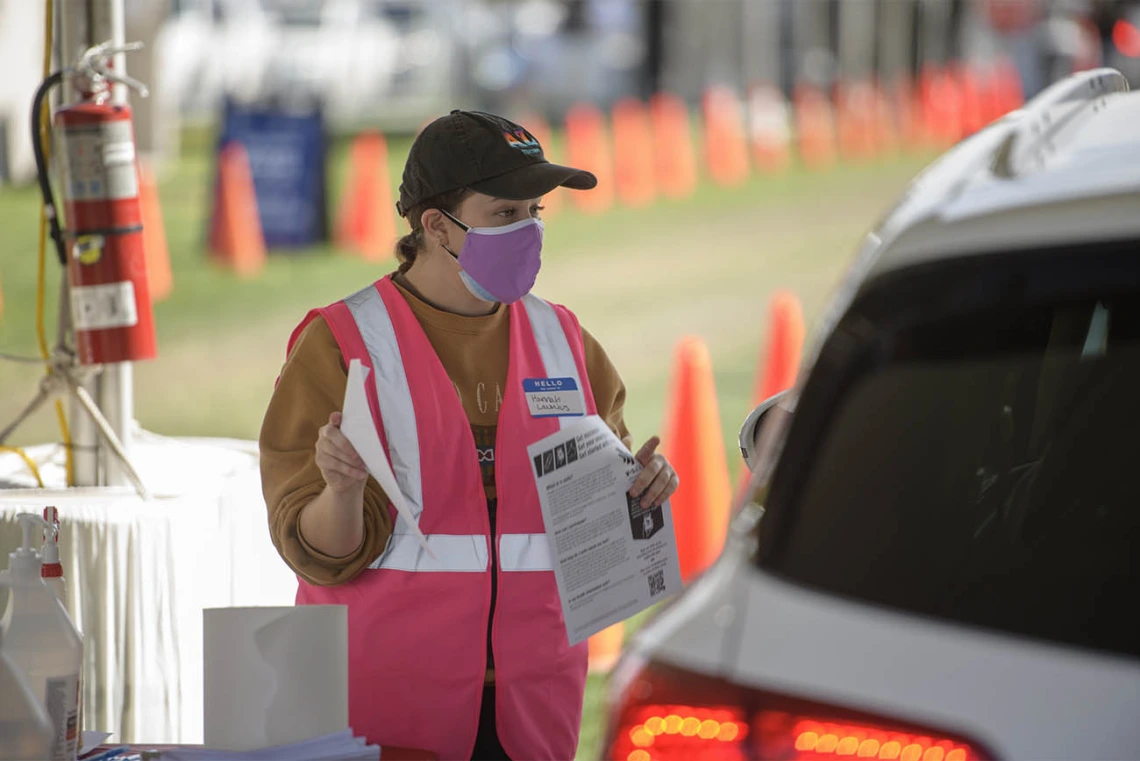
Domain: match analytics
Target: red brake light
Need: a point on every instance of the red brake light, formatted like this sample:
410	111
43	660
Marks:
1126	38
678	731
666	714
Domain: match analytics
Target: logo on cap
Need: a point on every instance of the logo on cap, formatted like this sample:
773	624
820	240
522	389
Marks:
523	141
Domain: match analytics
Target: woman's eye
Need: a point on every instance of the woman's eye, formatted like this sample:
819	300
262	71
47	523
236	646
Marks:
507	213
536	209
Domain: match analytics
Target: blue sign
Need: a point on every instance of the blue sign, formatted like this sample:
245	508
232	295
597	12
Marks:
287	153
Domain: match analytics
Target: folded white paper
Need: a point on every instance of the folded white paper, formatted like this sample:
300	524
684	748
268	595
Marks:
89	740
274	675
357	426
339	746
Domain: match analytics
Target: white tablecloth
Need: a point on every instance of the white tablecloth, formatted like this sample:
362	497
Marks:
139	574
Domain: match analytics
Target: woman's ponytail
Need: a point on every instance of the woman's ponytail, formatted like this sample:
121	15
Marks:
409	246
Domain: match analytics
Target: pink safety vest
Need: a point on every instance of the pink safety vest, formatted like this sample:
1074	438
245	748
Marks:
417	627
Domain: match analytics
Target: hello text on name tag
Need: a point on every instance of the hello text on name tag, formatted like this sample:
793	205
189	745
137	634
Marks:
553	397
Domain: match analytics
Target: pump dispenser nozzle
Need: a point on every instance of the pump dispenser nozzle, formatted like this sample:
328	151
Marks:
52	566
24	563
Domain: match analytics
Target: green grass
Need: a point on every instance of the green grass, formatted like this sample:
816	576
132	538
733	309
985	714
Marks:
638	279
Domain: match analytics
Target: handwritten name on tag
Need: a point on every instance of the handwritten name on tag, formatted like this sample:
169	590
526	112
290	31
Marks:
554	397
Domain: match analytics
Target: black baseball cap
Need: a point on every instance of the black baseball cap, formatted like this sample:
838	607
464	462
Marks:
484	152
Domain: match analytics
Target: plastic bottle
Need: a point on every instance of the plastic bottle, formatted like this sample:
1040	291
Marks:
25	729
42	642
52	570
52	574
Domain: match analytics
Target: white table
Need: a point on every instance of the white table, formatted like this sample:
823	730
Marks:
140	573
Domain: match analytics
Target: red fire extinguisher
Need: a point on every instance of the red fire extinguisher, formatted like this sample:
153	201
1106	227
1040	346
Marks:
102	236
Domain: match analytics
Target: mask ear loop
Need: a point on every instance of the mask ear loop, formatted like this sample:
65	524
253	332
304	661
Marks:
462	226
446	213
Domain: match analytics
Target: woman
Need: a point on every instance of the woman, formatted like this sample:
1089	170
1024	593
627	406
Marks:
465	654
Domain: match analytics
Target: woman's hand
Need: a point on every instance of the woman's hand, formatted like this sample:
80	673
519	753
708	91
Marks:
657	481
340	465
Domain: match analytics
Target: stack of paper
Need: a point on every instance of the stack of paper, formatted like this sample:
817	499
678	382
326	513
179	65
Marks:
339	746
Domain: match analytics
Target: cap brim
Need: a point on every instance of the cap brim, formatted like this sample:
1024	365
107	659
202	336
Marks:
534	180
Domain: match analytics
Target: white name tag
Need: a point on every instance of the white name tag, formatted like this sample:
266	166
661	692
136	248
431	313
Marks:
554	397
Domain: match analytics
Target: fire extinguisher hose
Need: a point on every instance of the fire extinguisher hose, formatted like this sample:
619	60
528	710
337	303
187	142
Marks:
39	150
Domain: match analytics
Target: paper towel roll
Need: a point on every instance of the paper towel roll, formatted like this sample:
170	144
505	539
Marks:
274	675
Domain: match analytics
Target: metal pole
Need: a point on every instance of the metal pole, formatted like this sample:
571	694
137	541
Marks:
815	59
760	42
856	39
74	36
936	43
895	40
84	23
116	383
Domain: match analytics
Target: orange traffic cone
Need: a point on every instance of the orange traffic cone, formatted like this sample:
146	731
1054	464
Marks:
1012	96
675	161
908	113
989	95
605	647
886	125
927	104
367	223
538	126
726	148
160	279
941	106
781	360
235	235
855	117
633	153
769	129
588	147
969	87
694	445
785	344
815	127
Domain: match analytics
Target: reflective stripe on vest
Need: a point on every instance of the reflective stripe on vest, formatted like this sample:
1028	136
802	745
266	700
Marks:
392	392
454	553
552	344
458	553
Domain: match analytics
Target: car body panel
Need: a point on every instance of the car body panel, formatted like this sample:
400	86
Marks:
1018	697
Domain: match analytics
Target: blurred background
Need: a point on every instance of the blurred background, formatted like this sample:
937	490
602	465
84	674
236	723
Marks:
393	64
800	123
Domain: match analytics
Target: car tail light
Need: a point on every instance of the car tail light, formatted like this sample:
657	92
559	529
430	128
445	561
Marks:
1126	38
665	714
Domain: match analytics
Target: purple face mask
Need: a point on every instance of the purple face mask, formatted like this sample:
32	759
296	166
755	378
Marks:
500	263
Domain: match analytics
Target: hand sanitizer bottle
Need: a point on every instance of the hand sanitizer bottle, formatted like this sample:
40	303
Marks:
25	729
42	642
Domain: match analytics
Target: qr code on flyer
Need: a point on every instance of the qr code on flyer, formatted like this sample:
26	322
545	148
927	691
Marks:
656	583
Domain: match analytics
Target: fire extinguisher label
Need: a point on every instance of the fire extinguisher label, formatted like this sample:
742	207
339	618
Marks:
99	162
110	305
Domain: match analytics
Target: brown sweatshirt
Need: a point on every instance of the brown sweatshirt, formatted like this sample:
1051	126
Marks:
473	351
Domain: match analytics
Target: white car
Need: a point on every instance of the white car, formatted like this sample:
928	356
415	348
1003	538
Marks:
939	559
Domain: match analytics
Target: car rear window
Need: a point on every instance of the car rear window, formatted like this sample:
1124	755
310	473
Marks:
987	471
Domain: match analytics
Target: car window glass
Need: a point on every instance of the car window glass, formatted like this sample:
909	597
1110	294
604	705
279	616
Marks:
986	473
